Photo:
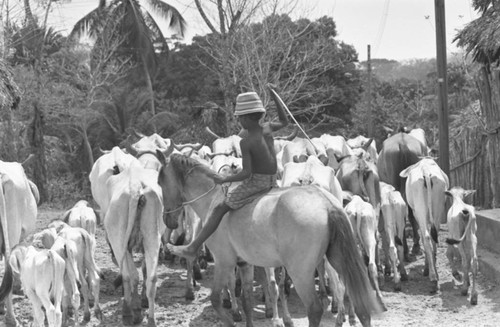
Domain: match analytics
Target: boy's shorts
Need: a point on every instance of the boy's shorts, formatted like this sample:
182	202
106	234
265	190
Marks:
249	190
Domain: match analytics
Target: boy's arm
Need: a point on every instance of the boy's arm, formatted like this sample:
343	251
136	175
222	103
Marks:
283	120
247	166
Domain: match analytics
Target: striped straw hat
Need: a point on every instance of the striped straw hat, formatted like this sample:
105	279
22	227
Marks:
248	103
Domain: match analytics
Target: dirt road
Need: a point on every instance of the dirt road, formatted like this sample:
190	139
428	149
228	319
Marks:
413	306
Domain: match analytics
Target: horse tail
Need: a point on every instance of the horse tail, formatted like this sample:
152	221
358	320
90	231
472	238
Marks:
343	255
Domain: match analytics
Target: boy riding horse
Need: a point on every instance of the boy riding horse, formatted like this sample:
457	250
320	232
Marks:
259	166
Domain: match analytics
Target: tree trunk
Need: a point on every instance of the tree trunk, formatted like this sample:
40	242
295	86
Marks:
38	149
87	149
489	87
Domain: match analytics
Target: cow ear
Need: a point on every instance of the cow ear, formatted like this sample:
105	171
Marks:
161	156
65	217
448	193
468	192
405	172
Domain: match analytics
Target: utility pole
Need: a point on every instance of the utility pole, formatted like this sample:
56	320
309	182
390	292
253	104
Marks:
444	150
369	93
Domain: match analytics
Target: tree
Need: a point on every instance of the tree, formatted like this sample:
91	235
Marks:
479	38
141	36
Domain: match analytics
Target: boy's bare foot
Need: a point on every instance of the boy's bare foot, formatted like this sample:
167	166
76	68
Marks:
182	251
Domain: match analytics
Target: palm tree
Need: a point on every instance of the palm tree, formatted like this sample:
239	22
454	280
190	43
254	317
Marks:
132	23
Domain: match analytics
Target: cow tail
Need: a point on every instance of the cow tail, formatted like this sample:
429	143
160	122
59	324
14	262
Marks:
57	285
73	272
89	254
6	286
452	241
434	228
134	212
342	253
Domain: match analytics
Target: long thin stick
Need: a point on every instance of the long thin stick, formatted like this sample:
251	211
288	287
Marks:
293	118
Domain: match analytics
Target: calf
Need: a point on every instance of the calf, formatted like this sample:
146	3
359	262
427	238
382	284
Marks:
462	230
82	215
42	274
394	213
364	224
83	245
425	187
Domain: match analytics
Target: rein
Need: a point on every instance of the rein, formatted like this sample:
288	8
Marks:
183	204
190	201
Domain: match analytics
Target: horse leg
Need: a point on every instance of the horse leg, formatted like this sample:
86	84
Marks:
221	276
273	293
303	280
246	274
10	318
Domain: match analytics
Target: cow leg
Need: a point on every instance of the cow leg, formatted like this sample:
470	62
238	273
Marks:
416	236
385	246
430	251
338	289
283	292
37	306
221	276
85	290
323	295
151	259
466	268
246	274
190	280
474	263
273	291
450	254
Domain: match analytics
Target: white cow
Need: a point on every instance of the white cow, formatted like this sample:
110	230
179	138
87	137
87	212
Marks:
82	215
462	237
42	277
107	165
87	271
361	142
312	172
336	149
425	187
394	212
364	223
18	211
134	219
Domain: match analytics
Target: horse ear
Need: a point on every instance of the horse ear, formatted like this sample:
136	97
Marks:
161	156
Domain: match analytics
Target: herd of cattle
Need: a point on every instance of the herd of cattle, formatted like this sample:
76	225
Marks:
378	191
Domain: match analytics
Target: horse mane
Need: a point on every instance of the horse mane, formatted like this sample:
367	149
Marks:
183	165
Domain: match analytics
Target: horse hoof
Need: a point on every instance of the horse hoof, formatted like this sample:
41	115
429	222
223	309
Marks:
189	296
434	287
151	322
226	304
237	316
98	313
426	272
473	299
269	313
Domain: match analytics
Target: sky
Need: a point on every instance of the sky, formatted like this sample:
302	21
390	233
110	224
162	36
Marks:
397	29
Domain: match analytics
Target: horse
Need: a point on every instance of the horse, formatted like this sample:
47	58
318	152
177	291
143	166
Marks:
276	229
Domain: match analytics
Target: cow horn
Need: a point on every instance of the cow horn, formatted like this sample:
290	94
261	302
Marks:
194	146
367	144
28	160
289	137
168	151
130	149
137	134
211	132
